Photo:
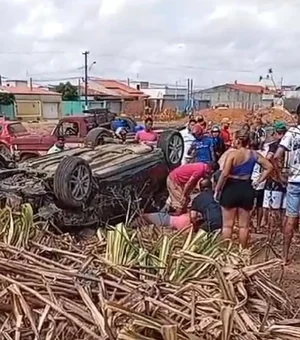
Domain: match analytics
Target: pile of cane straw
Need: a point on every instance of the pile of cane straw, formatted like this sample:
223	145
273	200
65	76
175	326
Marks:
136	284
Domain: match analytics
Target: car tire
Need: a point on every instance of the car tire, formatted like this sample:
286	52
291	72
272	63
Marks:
172	145
95	136
73	182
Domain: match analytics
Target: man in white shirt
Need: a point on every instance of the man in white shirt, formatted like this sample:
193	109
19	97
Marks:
188	140
291	143
259	190
58	146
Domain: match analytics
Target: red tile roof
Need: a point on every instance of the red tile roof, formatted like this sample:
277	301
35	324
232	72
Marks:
28	90
113	88
256	89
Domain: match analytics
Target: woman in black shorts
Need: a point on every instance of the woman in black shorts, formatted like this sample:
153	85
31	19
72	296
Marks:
235	188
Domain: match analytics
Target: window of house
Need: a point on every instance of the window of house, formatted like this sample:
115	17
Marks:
68	129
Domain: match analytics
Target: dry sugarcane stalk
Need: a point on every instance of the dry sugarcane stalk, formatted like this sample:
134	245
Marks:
145	284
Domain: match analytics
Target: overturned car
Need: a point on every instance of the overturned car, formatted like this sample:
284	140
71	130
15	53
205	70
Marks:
95	185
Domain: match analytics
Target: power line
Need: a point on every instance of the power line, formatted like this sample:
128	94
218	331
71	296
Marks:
56	79
193	67
34	52
57	72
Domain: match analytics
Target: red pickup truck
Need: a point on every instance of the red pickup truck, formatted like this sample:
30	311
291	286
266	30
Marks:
15	138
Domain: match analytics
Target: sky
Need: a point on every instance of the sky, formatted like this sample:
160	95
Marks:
162	41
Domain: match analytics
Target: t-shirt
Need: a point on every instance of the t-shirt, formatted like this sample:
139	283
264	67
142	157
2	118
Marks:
226	136
219	146
146	136
291	142
210	210
188	140
257	170
184	173
272	182
203	149
54	149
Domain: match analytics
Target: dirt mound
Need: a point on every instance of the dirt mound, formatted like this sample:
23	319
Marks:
240	116
270	115
237	116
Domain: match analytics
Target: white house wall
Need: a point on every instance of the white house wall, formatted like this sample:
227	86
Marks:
233	98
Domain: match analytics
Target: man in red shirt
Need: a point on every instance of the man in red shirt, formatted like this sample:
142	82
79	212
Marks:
225	133
147	136
183	180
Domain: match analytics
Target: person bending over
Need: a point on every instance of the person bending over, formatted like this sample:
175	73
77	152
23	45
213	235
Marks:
205	212
182	181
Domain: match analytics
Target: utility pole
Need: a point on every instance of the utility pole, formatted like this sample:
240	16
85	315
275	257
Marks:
0	80
86	53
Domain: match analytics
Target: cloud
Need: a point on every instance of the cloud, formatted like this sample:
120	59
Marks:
211	41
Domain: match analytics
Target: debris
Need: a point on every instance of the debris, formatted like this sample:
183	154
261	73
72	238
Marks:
139	284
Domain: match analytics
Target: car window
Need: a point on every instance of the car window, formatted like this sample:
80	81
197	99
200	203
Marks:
16	129
68	129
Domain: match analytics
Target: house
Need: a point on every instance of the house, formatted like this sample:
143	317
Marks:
169	97
114	95
236	95
33	103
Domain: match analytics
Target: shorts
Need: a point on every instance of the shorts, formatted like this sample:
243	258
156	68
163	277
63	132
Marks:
259	198
293	200
237	193
274	199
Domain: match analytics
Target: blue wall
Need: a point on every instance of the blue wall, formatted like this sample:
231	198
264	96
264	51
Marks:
72	108
8	111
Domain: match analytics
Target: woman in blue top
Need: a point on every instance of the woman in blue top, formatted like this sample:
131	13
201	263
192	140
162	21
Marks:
235	188
202	148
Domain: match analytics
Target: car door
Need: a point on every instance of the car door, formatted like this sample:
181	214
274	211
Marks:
71	132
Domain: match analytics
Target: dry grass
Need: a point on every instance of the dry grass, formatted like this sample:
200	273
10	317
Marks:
137	284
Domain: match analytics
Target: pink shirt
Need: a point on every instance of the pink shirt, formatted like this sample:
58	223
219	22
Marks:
184	173
146	136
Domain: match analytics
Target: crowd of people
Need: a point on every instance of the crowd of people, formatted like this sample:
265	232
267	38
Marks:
226	179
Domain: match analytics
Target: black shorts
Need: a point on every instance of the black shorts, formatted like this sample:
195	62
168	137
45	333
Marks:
237	193
259	198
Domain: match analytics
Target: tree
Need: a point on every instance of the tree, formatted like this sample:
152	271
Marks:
7	98
68	91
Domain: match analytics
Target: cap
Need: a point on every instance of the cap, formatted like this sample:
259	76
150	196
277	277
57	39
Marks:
215	128
225	120
280	126
197	130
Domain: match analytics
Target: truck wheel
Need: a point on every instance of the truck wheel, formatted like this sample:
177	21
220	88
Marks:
172	145
95	136
72	182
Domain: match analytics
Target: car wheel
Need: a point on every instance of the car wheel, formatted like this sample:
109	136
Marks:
72	182
172	145
95	136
